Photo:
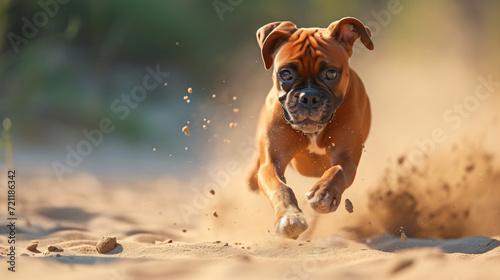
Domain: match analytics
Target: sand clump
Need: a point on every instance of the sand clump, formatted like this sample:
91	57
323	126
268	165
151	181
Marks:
54	248
33	246
159	243
106	244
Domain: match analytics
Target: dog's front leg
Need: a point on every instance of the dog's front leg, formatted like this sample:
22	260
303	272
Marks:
290	221
326	194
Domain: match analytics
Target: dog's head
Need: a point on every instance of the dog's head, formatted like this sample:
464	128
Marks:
311	70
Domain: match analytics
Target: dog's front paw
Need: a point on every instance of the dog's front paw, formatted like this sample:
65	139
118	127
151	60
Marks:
291	225
323	198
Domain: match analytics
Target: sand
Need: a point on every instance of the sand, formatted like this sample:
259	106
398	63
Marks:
230	237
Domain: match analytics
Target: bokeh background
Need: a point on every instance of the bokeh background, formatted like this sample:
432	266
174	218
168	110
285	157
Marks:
64	79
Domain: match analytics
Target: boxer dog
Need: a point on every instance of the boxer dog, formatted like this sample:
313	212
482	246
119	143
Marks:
316	117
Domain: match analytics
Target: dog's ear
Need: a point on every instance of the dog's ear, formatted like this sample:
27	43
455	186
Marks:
270	37
348	30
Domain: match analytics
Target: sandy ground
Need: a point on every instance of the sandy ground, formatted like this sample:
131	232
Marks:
76	213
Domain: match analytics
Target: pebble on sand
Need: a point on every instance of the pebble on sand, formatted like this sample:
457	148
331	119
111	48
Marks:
106	244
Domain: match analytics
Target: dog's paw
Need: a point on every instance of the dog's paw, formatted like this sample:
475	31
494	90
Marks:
291	225
324	199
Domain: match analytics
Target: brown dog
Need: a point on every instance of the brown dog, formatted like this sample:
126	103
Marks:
316	117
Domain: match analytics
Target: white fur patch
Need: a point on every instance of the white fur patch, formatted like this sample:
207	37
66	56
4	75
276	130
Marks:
313	145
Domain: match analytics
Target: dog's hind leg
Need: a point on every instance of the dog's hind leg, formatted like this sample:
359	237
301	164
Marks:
252	179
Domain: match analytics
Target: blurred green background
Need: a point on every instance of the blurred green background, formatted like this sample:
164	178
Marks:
65	78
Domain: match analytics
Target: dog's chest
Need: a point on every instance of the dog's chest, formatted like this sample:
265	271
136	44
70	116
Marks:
313	147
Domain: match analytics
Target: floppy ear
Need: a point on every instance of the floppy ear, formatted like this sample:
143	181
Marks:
270	37
348	30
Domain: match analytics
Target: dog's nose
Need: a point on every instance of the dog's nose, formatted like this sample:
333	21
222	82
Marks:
309	98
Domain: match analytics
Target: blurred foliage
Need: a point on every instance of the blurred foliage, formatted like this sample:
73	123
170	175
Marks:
6	143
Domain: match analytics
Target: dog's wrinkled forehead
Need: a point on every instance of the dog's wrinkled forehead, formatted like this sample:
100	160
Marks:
306	42
309	47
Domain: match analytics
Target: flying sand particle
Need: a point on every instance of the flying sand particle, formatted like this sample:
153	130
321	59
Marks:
403	235
185	129
348	206
236	110
190	90
204	127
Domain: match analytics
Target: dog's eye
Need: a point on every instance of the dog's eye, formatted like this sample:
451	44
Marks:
286	75
331	74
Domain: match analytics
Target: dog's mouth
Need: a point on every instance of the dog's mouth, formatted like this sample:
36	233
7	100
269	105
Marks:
308	109
308	125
